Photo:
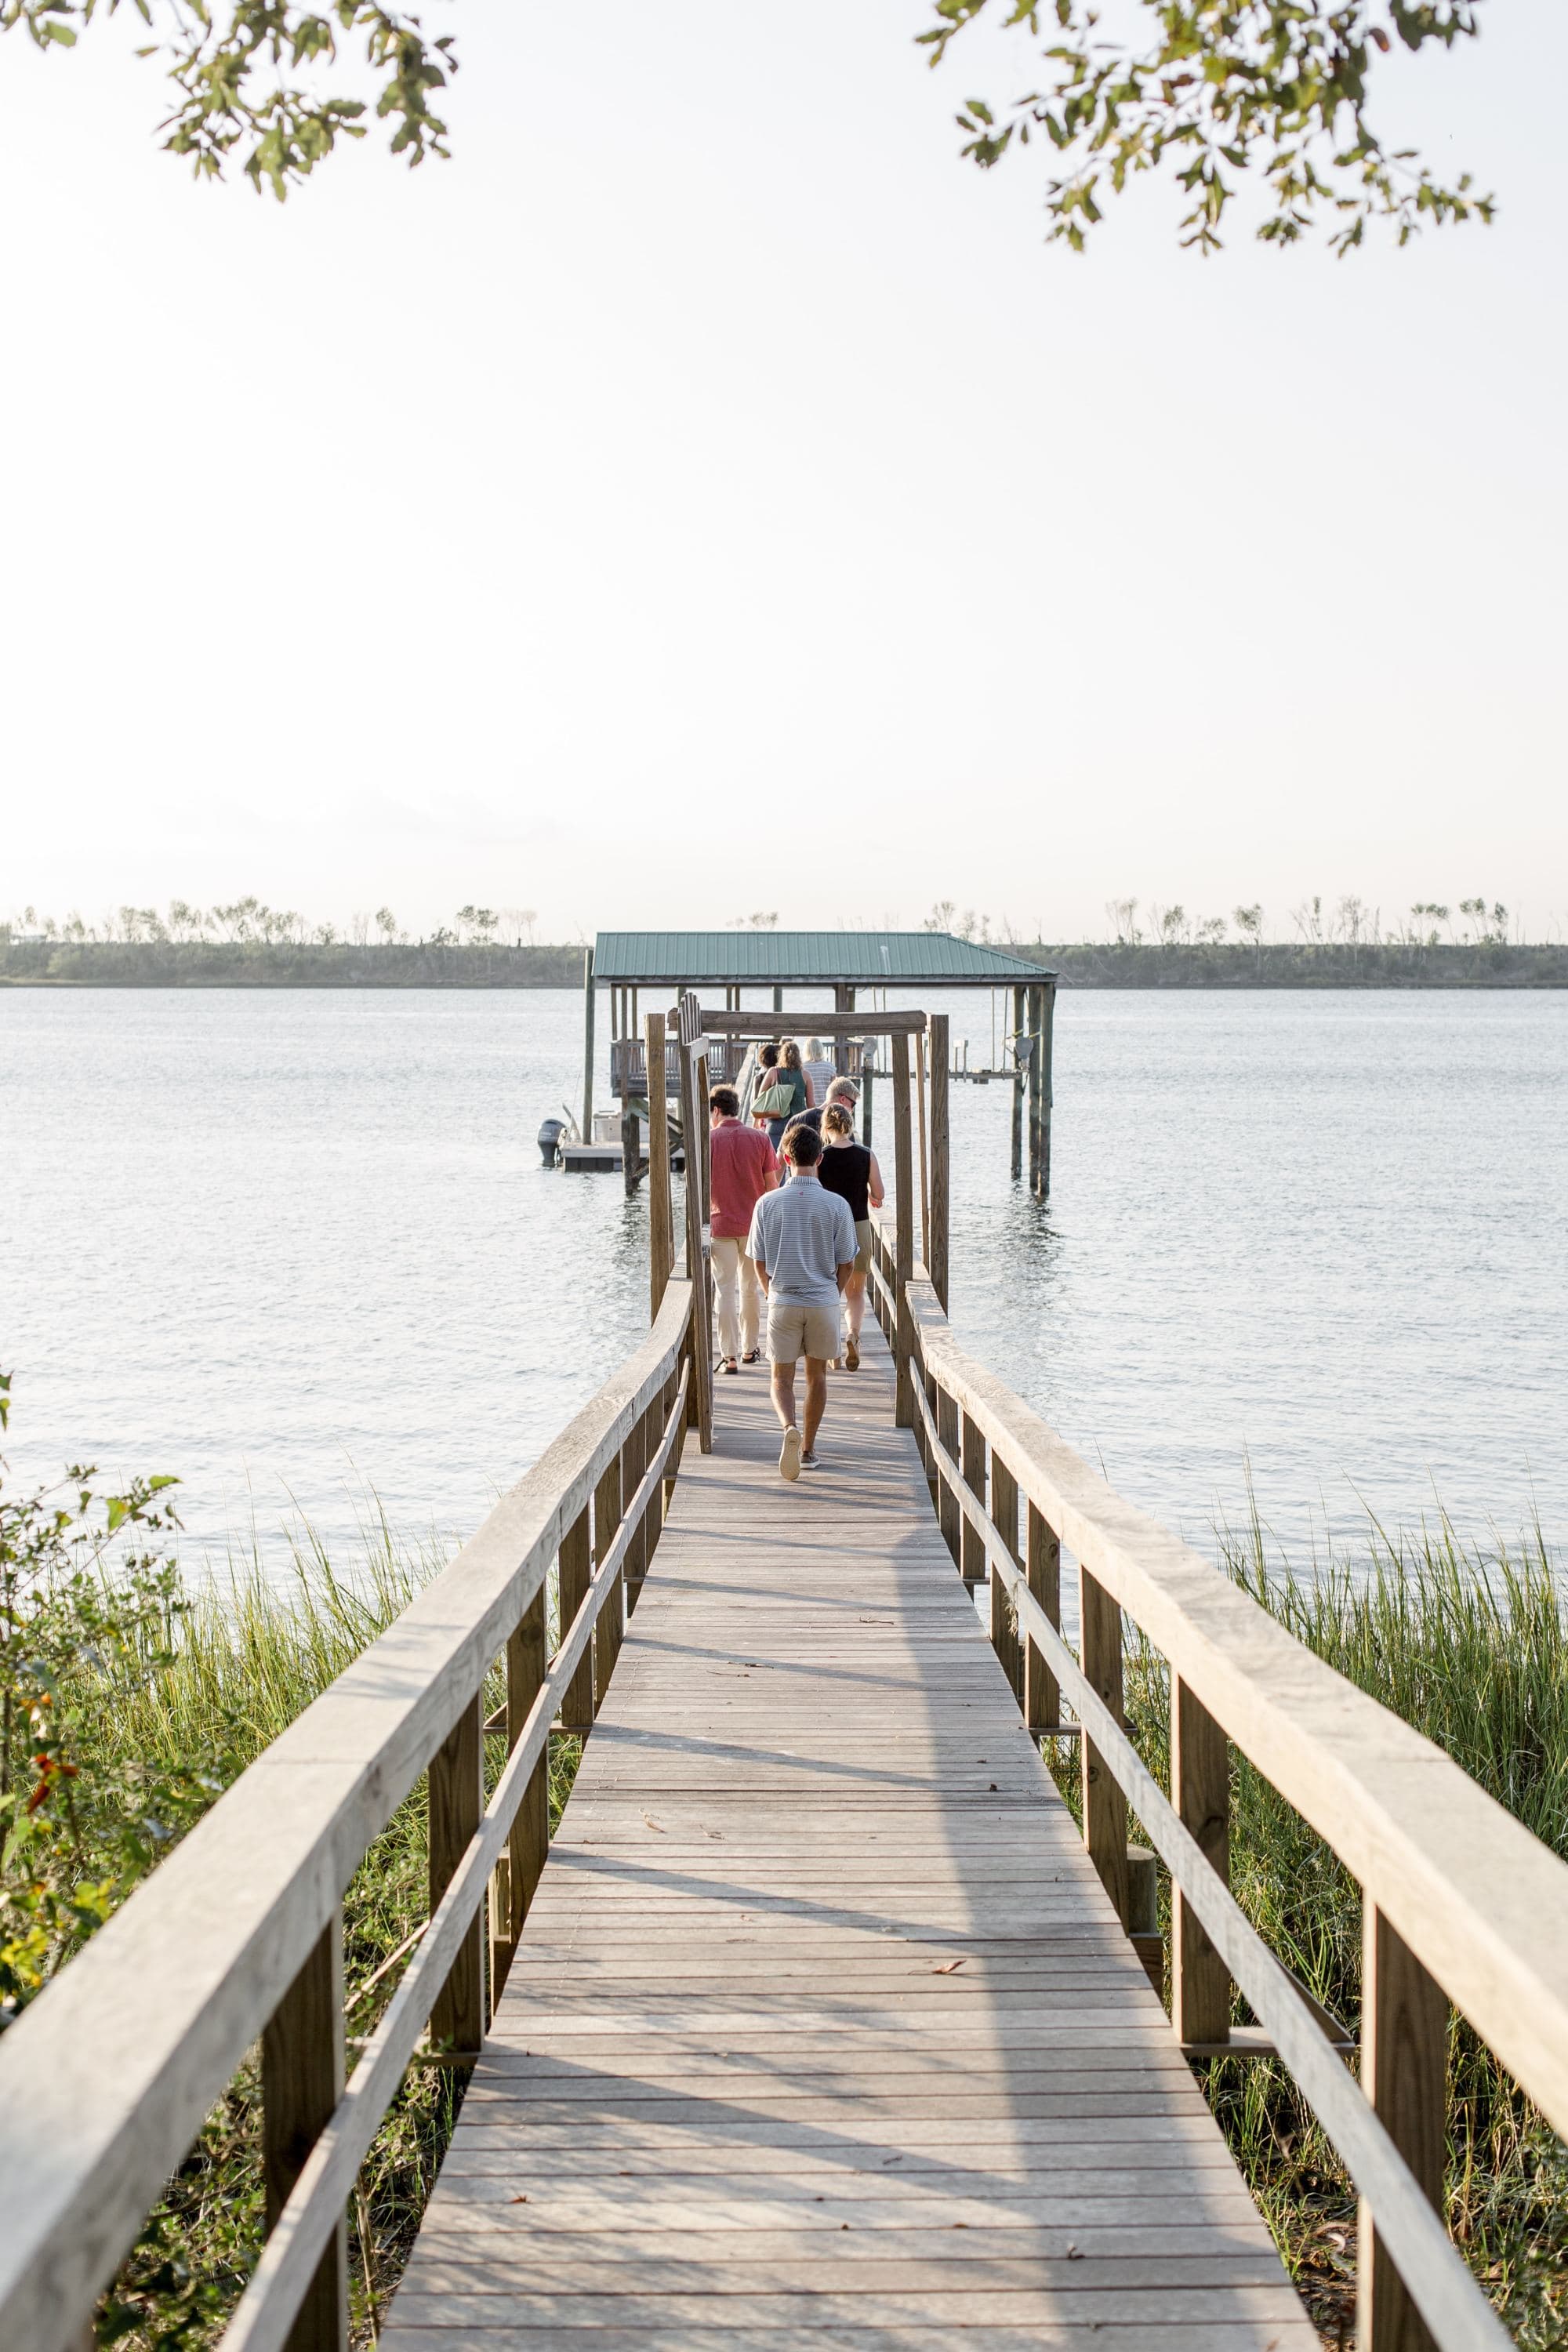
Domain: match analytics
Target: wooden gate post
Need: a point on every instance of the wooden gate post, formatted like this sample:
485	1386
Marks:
302	2083
457	1795
1200	1792
1104	1806
904	1227
694	1139
660	1224
1043	1566
937	1264
1404	2073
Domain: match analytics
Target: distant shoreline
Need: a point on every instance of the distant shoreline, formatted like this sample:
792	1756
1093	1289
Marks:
206	963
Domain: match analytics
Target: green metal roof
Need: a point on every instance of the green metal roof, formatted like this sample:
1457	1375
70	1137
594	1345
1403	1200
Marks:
805	959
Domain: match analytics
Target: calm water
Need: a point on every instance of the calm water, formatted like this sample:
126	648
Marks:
299	1249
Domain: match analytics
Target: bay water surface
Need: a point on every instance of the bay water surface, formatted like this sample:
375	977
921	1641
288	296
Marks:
299	1249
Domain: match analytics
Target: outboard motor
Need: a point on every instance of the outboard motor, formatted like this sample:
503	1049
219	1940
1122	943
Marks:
550	1134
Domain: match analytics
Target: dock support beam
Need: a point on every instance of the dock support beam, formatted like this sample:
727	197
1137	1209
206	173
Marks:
1020	1070
660	1222
587	1044
843	1002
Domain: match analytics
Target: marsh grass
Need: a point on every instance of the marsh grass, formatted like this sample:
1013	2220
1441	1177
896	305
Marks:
253	1650
1470	1646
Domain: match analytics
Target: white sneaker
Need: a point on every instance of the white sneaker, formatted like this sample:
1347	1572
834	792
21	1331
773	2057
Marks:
789	1455
809	1461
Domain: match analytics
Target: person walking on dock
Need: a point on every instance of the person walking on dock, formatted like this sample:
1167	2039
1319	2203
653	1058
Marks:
851	1170
781	1092
743	1167
803	1245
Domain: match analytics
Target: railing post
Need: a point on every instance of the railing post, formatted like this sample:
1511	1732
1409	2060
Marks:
1200	1792
607	1627
940	1214
634	1461
1004	1623
1043	1568
904	1208
972	1548
1404	2071
456	1794
650	1527
302	2083
528	1843
950	1518
575	1566
1104	1806
661	1225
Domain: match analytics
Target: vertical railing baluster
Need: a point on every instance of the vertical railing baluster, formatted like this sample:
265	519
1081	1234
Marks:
972	1546
948	1512
1003	1619
302	2083
607	1626
575	1568
1200	1792
527	1844
457	1793
1043	1568
1104	1806
1404	2073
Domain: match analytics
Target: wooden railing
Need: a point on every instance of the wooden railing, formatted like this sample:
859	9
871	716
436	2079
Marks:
237	1938
1462	1904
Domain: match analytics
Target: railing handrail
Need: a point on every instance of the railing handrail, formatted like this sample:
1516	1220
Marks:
1479	1900
128	2049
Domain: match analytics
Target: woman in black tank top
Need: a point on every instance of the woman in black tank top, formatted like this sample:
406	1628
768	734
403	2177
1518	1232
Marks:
848	1169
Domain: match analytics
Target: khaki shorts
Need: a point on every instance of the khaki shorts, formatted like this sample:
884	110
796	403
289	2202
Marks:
863	1235
797	1328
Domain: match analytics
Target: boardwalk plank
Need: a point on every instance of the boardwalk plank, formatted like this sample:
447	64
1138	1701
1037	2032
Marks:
822	2032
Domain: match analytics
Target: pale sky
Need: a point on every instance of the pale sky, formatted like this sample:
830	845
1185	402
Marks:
705	494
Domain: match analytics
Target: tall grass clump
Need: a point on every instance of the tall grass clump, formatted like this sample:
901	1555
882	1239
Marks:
1469	1645
161	1691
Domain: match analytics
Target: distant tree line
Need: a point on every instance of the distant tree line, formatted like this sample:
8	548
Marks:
248	922
1350	923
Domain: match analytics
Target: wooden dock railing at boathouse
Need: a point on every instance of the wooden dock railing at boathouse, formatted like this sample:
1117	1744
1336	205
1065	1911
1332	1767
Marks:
1462	1904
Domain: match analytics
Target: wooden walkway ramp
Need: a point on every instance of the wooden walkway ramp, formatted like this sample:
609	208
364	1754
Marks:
823	2030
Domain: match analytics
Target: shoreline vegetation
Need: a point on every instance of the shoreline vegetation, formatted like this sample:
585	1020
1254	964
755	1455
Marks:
158	1694
446	962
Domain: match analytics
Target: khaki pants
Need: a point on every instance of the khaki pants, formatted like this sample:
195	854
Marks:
738	1294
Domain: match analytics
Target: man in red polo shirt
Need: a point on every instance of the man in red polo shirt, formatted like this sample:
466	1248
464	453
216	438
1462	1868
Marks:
743	1167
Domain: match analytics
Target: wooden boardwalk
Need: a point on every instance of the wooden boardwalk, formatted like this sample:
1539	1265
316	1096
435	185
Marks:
823	2030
